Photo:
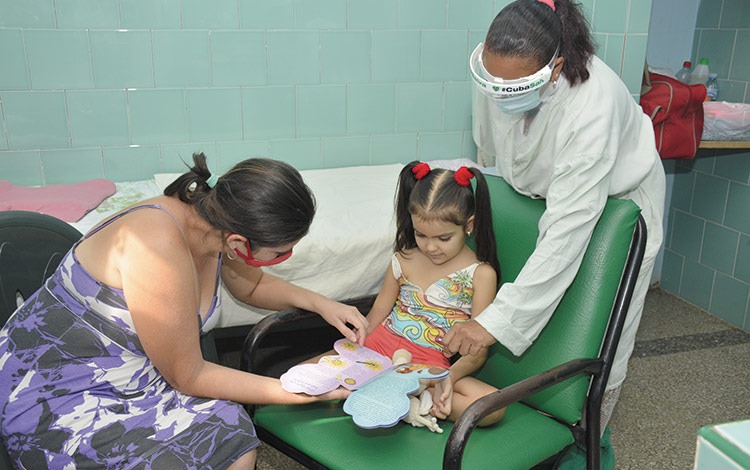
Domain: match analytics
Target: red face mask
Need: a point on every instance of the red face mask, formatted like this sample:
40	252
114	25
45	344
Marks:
250	261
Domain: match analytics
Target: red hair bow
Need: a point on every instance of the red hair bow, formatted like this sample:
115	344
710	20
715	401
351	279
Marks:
462	176
420	170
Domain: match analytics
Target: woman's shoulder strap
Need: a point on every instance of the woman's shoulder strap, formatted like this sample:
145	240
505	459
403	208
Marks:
126	212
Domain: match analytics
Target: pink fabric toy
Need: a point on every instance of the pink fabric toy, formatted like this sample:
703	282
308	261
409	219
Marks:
68	202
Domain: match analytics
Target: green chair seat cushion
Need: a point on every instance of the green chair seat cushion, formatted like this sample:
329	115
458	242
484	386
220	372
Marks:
325	433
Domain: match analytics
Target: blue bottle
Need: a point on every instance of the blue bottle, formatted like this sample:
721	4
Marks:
712	87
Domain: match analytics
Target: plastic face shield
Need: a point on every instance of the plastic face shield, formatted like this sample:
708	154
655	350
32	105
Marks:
498	88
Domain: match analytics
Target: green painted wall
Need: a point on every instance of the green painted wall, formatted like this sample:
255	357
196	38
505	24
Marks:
125	88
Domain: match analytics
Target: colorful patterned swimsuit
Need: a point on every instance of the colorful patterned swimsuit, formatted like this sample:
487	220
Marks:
78	391
420	318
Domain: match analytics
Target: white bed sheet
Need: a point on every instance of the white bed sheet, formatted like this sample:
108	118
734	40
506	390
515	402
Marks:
127	193
347	251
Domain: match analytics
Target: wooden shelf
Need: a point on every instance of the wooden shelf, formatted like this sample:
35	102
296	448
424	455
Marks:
725	144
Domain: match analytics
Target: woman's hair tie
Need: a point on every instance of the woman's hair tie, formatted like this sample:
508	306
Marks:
420	170
212	180
462	176
551	3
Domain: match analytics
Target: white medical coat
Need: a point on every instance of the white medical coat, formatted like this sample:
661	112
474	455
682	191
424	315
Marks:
583	144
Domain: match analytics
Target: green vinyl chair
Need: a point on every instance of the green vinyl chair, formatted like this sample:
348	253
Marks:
545	390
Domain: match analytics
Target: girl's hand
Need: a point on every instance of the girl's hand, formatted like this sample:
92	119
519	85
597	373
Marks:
442	398
347	320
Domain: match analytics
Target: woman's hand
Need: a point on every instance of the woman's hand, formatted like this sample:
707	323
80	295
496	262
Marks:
338	394
467	338
442	398
259	289
347	320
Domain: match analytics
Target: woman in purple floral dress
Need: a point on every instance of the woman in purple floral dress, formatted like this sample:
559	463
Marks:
102	368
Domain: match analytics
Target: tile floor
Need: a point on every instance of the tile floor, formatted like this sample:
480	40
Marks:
689	369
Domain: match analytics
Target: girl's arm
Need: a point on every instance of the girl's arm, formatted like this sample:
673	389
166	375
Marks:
485	287
160	285
260	289
384	302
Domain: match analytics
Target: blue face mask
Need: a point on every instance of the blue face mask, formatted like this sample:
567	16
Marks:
520	103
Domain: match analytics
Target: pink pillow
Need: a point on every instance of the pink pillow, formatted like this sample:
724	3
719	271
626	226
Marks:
68	202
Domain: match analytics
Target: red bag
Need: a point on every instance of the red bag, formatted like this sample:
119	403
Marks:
676	111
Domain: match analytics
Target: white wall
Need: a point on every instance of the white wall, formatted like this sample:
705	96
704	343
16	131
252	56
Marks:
670	33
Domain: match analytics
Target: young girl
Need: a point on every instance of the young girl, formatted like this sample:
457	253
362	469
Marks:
436	280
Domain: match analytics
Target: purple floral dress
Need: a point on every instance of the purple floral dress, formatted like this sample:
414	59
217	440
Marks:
78	391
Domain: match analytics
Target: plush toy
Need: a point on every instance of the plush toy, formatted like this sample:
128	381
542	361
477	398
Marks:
420	401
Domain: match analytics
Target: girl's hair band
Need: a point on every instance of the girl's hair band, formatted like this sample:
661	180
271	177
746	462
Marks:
462	176
420	170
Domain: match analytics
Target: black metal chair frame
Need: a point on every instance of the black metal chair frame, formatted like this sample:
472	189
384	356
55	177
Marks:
598	368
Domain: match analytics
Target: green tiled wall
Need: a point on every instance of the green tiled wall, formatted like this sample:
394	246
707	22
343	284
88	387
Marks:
707	245
125	88
707	248
722	35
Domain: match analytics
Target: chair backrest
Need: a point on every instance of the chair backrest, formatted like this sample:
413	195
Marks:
31	247
577	328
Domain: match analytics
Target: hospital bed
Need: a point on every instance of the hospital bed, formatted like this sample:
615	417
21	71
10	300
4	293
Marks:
347	251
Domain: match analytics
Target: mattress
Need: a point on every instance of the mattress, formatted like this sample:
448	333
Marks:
347	251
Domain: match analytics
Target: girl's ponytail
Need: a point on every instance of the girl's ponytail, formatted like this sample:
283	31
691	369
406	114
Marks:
483	226
404	227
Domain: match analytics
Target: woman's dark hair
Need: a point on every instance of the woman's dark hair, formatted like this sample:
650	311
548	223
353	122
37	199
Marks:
437	196
261	199
531	29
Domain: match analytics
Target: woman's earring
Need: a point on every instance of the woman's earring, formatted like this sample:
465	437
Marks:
468	233
229	256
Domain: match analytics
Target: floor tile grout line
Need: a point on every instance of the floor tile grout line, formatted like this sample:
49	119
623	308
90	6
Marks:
677	344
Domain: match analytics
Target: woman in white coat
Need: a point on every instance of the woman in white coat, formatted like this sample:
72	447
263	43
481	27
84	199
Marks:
562	126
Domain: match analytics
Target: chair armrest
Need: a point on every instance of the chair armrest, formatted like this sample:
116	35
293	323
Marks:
482	407
290	337
288	320
293	321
